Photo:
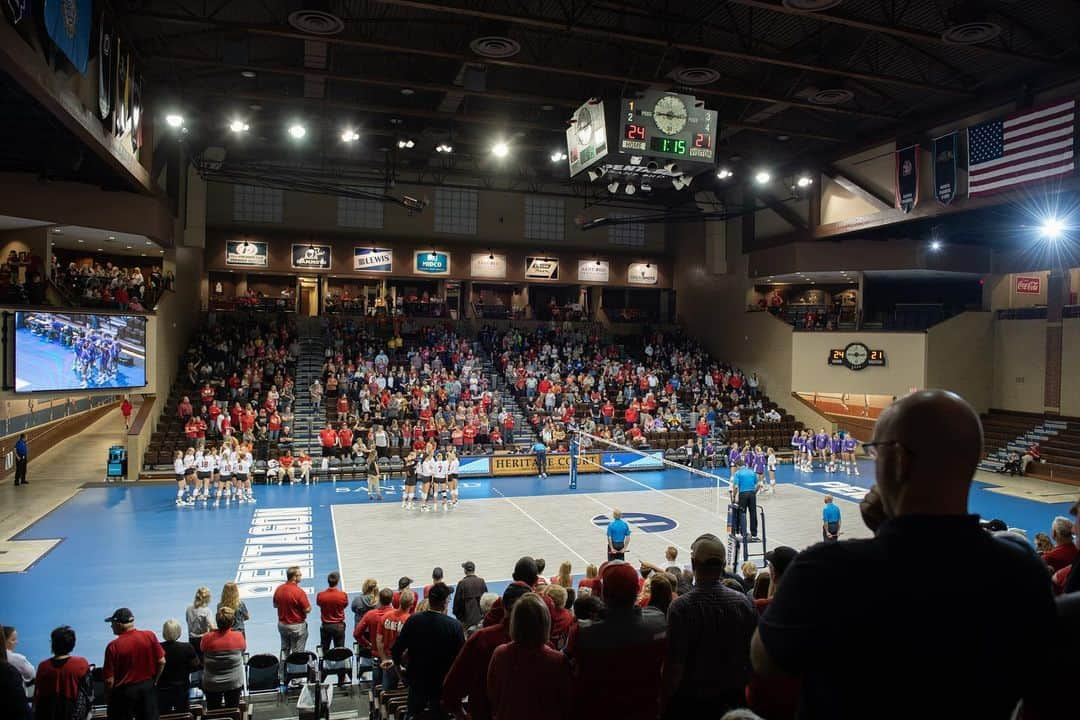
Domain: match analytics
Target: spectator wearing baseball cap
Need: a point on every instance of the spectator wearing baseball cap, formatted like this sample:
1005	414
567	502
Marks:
709	631
133	662
467	596
468	674
617	659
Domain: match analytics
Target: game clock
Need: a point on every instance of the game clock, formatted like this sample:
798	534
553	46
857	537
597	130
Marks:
856	356
668	125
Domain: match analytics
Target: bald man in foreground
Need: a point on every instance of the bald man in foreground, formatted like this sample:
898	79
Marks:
860	624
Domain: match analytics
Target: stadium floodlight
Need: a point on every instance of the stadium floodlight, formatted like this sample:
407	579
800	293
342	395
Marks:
349	135
762	177
1052	228
500	149
444	148
238	126
174	120
804	181
724	174
558	156
297	131
936	245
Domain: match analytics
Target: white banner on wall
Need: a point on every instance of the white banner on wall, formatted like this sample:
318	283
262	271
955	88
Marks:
373	259
593	270
542	268
642	274
487	265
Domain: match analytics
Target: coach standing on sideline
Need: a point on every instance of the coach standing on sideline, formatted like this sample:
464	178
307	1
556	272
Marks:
467	596
133	663
938	664
746	496
292	610
332	603
21	456
618	536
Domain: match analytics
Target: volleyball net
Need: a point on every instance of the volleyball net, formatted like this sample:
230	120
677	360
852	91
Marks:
590	453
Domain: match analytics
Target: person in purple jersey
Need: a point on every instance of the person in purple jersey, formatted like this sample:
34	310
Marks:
821	446
836	446
734	458
759	466
807	451
849	444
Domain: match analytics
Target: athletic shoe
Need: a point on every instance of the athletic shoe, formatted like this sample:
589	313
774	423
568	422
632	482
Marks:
755	538
179	502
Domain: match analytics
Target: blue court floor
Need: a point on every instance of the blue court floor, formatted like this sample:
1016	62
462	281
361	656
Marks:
44	365
128	545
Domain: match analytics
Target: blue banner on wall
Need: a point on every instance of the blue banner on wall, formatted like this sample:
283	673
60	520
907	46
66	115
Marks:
68	24
474	466
431	262
633	461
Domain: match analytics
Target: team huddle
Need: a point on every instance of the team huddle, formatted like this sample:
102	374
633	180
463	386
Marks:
834	452
226	470
430	477
757	460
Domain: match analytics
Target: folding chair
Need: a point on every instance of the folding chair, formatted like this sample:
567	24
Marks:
338	661
263	674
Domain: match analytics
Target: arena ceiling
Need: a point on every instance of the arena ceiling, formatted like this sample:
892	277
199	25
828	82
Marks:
792	85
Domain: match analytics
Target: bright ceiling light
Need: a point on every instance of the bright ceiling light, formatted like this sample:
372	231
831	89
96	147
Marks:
500	149
762	177
935	245
444	148
804	181
238	126
297	130
174	120
247	73
349	135
405	143
724	174
558	156
1052	228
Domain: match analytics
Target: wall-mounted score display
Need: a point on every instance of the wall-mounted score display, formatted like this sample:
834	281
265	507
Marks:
856	356
668	125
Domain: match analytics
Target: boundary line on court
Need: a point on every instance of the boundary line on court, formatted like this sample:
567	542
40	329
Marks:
650	487
337	550
539	524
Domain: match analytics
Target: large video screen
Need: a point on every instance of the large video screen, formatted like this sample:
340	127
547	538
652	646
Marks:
57	351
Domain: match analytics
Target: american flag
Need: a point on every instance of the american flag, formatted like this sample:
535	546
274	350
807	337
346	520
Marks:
1025	147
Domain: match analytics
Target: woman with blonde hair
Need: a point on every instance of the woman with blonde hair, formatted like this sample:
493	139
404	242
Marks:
564	578
199	618
526	673
230	598
589	579
180	662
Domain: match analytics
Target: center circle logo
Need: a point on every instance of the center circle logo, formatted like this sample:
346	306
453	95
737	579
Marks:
645	522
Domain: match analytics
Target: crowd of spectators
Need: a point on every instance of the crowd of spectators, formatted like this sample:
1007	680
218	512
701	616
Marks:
407	304
111	286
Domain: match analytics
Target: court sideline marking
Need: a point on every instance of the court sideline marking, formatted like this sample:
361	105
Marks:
337	550
539	524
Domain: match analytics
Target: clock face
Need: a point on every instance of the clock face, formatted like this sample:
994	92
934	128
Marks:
856	355
669	114
583	126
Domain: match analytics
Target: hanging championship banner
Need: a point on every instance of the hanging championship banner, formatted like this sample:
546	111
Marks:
106	68
945	150
129	79
907	178
118	87
136	113
68	24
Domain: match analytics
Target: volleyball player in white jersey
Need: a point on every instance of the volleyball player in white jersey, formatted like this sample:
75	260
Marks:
189	473
181	479
442	467
427	472
243	476
771	463
453	464
203	470
224	478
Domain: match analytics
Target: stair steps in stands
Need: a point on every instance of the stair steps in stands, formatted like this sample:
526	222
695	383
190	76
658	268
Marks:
995	459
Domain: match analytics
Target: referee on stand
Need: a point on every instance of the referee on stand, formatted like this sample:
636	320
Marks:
618	536
745	485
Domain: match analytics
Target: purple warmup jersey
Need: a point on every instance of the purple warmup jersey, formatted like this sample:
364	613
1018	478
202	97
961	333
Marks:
759	463
836	445
850	444
821	441
734	455
796	441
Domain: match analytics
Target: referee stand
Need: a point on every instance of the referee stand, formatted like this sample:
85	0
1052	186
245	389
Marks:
739	536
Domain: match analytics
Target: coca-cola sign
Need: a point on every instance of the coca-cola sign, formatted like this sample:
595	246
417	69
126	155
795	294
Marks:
1029	285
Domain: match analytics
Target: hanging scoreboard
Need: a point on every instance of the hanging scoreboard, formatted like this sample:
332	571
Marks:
586	137
669	126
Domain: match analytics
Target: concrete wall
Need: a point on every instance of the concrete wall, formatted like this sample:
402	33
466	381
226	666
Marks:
1070	367
1019	361
959	354
905	363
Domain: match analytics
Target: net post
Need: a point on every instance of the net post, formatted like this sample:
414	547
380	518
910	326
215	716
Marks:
575	448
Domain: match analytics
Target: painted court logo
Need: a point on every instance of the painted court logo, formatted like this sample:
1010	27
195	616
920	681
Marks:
644	522
277	539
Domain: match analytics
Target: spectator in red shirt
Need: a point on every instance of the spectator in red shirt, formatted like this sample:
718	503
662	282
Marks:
133	662
403	584
562	620
436	577
62	685
1065	551
393	622
525	674
125	410
332	603
508	428
630	415
468	674
607	412
328	438
366	630
469	435
590	580
292	609
184	409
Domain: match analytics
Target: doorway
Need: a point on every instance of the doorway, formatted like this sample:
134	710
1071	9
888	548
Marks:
309	296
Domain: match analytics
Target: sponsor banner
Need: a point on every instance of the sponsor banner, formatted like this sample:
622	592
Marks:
487	265
633	461
1028	285
542	268
245	253
311	257
373	259
68	24
593	270
642	274
558	464
431	262
474	466
907	178
945	149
